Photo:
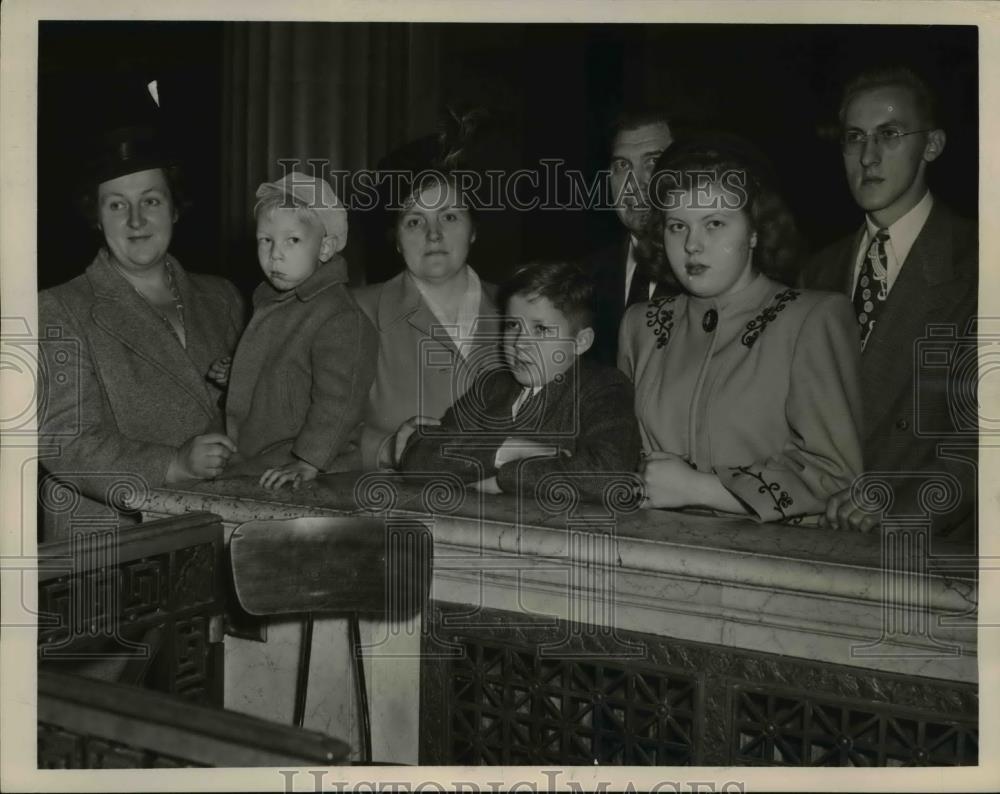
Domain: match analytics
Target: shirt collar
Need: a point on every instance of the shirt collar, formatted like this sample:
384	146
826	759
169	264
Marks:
903	233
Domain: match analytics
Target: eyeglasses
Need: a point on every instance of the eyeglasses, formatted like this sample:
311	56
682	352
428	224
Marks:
853	141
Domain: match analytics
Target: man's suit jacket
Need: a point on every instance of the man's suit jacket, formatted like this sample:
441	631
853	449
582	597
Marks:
914	402
120	394
607	271
588	415
419	370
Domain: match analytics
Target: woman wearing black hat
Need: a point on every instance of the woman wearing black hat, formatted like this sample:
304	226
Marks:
436	321
125	400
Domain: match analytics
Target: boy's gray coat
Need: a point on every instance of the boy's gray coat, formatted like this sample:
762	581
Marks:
301	374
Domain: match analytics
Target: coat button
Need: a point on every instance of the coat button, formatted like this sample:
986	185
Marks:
710	320
902	424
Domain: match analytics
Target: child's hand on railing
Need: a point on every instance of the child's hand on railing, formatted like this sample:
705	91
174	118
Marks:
295	473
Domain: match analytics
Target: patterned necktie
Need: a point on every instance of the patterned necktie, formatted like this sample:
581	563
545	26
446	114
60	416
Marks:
873	285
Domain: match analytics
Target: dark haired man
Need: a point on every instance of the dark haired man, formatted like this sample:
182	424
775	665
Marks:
913	265
638	139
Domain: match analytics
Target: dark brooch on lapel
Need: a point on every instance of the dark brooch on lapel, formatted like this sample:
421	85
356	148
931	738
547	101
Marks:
757	325
660	317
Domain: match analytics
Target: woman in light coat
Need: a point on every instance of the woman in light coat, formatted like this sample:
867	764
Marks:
436	321
747	391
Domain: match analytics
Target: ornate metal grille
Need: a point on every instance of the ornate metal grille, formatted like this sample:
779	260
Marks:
511	706
773	728
493	692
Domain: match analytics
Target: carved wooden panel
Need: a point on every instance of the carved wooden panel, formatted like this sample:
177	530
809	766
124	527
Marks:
518	693
192	668
102	594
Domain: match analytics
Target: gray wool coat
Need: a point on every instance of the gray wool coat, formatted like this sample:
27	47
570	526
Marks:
119	393
301	375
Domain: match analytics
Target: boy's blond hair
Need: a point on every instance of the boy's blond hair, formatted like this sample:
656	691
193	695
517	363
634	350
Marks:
312	199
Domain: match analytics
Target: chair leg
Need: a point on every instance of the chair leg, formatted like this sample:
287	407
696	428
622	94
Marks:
359	675
302	681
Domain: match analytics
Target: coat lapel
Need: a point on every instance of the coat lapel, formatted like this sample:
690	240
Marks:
401	301
887	362
555	395
123	314
398	301
248	361
610	277
205	319
489	322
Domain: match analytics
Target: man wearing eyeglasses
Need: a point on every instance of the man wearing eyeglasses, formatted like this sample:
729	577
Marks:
913	264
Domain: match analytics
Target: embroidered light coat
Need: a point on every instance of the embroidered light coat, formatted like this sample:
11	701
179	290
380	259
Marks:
760	387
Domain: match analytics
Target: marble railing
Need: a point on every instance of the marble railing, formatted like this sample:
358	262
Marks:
891	603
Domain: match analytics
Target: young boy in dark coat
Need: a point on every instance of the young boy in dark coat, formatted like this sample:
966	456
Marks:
305	363
546	414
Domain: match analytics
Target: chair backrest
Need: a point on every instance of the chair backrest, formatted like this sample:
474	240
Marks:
86	724
332	564
126	596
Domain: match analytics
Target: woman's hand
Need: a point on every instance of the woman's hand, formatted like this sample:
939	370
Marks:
671	482
218	373
403	433
668	480
296	473
201	458
842	514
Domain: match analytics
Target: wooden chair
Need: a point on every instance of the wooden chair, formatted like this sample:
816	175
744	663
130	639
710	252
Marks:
351	566
142	605
88	724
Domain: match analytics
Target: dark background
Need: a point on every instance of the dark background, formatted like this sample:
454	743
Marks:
553	88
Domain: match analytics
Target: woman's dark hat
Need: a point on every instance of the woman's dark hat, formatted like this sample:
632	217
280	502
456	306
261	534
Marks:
126	150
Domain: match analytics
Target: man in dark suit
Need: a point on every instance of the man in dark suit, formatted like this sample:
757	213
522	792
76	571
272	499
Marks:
639	138
912	272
